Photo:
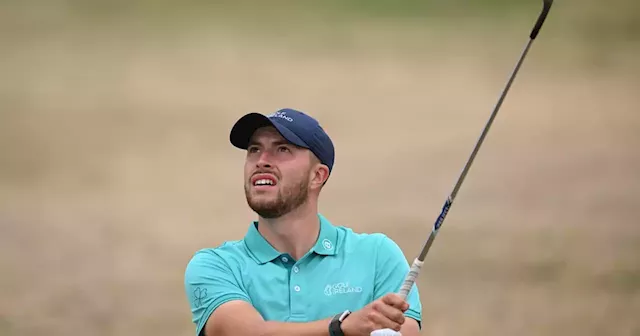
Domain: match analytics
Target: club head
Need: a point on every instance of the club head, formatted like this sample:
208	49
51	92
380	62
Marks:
546	6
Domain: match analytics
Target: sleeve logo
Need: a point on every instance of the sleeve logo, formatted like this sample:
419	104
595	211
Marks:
199	295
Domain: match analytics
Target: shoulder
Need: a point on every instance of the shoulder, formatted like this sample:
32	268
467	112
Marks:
365	240
224	250
228	255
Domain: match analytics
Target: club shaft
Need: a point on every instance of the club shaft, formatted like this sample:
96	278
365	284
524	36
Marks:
415	268
463	175
414	271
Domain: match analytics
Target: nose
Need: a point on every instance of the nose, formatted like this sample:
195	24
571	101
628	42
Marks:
264	160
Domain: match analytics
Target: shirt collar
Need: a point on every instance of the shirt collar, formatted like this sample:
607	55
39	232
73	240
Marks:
264	252
327	239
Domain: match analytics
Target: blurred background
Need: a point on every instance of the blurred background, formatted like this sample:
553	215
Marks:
115	165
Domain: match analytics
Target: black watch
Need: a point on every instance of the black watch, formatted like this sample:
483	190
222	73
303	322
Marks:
335	327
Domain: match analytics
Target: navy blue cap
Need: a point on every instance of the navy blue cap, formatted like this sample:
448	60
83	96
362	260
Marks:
295	126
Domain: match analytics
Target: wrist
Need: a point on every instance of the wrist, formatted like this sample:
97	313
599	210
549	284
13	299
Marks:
335	326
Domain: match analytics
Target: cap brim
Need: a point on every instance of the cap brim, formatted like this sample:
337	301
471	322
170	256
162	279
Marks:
243	130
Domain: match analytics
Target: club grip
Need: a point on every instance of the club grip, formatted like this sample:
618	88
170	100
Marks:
411	278
543	16
404	292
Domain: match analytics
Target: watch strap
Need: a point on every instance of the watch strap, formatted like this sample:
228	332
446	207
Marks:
335	326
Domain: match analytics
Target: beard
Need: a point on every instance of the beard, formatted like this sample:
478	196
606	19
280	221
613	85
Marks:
287	199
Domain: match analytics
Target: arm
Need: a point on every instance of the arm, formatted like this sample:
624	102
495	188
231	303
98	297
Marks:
410	327
391	269
240	318
220	305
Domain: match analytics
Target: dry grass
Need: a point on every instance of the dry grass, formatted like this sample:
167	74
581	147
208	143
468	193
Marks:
115	167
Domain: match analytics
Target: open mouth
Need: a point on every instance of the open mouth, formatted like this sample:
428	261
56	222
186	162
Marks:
263	180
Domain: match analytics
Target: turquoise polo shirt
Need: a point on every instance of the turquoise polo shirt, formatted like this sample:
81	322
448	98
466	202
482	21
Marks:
343	270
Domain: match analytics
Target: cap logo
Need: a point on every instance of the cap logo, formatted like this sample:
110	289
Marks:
282	115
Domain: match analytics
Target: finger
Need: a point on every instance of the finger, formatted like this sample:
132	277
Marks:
380	321
392	313
395	300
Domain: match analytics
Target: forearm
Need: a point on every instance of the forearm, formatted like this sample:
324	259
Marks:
316	328
235	326
239	318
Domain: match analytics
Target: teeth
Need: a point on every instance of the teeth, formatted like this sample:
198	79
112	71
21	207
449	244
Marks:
264	182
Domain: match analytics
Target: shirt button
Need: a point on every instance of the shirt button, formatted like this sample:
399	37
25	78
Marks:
296	269
296	288
285	259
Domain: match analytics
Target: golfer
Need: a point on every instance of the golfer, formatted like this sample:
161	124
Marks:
294	272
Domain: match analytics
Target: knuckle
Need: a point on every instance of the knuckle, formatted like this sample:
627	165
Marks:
376	305
397	316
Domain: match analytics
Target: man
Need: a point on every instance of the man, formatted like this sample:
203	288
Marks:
294	272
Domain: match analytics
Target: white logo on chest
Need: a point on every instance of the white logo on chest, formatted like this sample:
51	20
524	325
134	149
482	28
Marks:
341	288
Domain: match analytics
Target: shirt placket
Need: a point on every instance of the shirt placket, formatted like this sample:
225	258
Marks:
297	289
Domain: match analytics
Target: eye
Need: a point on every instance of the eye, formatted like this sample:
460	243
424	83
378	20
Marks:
252	149
284	149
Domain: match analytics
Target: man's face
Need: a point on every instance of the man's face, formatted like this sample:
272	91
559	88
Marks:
277	174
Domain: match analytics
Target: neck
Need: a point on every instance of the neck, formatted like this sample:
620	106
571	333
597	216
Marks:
294	233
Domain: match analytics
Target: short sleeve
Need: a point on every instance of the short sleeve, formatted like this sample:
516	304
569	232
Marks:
209	282
391	269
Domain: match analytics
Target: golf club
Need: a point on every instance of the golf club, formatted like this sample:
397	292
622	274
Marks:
418	262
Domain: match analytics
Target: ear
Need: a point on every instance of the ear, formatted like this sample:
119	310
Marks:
319	175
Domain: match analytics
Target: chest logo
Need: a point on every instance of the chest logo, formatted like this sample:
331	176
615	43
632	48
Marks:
341	288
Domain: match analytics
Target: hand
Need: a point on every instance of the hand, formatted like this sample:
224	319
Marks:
384	313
